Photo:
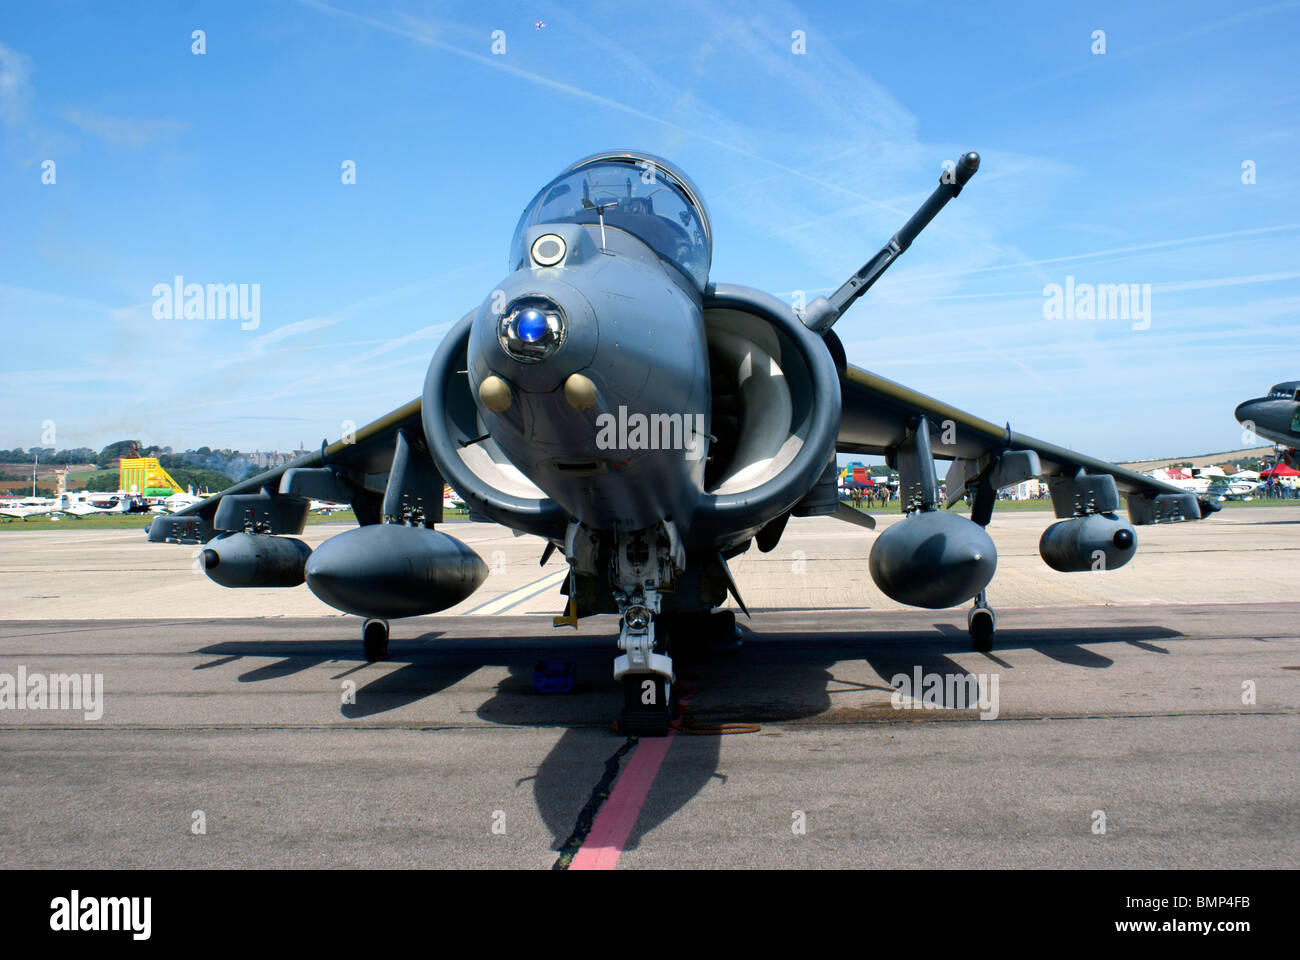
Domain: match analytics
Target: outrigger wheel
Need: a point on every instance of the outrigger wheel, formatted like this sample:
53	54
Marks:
981	622
374	638
725	633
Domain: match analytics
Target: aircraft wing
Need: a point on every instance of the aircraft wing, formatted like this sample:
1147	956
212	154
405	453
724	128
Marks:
877	415
353	470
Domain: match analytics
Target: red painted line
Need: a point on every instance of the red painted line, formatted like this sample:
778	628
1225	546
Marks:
614	823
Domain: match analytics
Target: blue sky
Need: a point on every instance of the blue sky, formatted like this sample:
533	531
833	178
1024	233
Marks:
1124	167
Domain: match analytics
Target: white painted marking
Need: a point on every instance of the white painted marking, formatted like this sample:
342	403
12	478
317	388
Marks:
520	595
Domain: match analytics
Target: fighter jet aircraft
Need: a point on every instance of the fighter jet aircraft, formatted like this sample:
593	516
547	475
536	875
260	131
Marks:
650	424
1275	417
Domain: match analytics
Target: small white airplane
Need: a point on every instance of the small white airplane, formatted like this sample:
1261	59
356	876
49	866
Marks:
326	507
31	507
93	505
1223	486
1209	481
179	501
1232	487
1183	480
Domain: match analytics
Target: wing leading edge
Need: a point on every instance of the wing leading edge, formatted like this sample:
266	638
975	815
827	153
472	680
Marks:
878	414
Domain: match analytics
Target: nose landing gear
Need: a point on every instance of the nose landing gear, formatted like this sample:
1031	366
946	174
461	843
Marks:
646	674
642	562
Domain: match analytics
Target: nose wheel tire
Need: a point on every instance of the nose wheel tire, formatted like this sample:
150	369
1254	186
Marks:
374	639
647	705
981	623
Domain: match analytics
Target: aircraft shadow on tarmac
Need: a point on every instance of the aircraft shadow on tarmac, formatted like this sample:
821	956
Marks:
773	677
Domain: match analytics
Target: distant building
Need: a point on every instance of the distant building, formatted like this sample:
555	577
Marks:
267	459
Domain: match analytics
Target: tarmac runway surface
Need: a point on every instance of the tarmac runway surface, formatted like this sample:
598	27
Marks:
1145	717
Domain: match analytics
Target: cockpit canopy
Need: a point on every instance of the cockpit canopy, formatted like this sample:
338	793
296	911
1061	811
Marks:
1290	390
635	192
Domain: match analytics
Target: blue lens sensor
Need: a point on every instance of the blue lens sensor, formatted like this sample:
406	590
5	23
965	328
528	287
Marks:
531	326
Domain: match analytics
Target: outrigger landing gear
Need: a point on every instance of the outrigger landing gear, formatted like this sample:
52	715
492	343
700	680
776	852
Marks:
981	622
374	638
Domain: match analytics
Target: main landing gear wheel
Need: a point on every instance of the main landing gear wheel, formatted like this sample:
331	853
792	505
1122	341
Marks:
723	630
647	705
981	622
374	638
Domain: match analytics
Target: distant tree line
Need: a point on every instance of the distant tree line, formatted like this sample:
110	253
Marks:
114	451
204	468
221	461
50	455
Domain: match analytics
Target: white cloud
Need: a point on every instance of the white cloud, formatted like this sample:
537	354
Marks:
133	132
15	85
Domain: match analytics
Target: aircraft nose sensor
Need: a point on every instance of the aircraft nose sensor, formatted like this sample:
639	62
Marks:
531	329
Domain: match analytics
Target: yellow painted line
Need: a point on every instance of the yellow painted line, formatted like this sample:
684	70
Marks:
520	595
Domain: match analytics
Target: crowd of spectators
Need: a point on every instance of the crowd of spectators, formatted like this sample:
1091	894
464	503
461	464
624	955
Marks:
1274	489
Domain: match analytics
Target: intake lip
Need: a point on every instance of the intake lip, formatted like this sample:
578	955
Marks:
449	419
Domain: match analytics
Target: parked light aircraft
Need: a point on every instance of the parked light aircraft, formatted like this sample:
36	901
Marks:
94	504
18	509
